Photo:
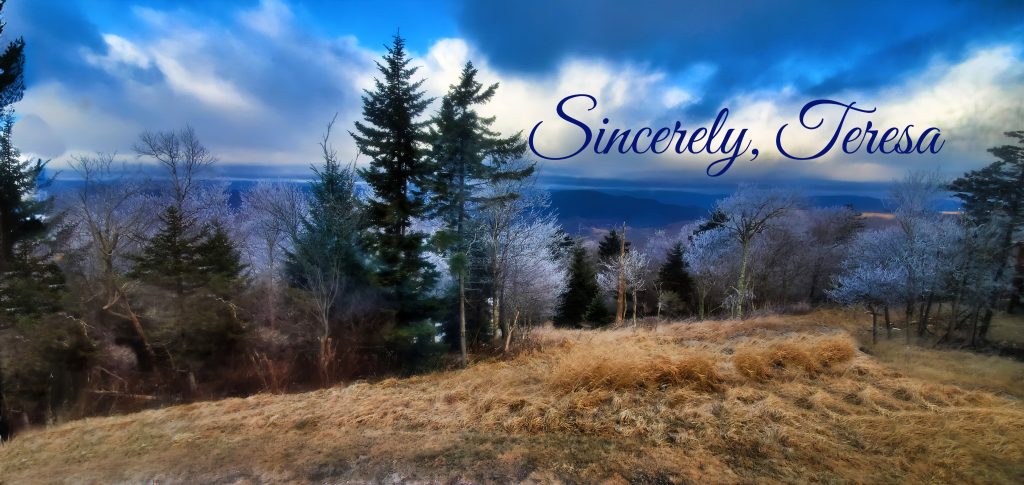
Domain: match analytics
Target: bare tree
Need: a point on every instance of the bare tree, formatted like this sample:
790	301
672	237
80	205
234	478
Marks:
625	275
748	213
710	255
511	201
112	212
181	154
274	213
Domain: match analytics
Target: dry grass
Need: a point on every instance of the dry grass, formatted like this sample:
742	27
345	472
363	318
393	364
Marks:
769	400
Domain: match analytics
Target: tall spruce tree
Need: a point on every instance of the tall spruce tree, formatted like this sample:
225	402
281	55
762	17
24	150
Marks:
581	301
995	194
171	257
327	258
610	245
462	144
21	212
394	139
218	260
673	276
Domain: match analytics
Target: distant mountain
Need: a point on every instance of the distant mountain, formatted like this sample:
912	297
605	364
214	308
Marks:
591	208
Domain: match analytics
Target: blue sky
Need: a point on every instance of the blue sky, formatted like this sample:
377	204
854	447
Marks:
259	79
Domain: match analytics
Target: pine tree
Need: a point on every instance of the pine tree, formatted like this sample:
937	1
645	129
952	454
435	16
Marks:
673	276
580	301
171	257
995	194
218	260
462	144
609	247
21	213
327	259
398	174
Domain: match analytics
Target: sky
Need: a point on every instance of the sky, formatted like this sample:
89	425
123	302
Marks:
260	79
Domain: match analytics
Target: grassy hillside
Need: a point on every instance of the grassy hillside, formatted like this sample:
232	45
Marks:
777	399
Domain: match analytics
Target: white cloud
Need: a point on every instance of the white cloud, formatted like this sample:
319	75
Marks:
260	91
271	18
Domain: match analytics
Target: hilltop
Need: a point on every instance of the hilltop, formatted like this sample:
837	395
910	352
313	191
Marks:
772	399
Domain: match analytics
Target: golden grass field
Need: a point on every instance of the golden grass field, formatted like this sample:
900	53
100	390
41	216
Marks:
777	399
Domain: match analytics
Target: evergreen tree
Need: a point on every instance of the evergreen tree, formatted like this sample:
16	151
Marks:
21	212
581	301
327	259
995	194
218	260
462	144
609	246
673	275
171	257
398	175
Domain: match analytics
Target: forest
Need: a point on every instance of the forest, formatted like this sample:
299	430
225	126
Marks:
142	284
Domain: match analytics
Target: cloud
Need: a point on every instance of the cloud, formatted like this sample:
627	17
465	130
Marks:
810	45
258	83
252	97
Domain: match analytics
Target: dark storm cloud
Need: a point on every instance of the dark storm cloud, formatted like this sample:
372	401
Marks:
813	46
56	33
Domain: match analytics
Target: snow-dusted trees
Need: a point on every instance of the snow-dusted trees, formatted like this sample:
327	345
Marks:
516	224
534	273
711	256
748	212
795	259
871	275
274	213
627	273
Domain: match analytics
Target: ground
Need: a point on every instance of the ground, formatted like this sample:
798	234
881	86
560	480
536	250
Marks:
777	399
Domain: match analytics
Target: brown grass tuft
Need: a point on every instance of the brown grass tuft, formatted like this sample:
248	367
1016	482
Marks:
623	369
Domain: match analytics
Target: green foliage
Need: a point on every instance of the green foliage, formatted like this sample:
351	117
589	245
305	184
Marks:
44	360
462	144
609	246
22	214
218	260
581	301
398	174
171	257
674	278
415	347
32	285
329	242
996	190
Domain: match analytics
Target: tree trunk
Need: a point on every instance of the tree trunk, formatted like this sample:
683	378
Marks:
741	285
634	308
874	327
511	328
462	318
909	314
495	302
620	295
888	324
5	423
1018	281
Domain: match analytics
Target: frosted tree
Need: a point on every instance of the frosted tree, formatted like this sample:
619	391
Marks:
748	213
273	218
871	275
631	269
534	274
711	257
512	204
